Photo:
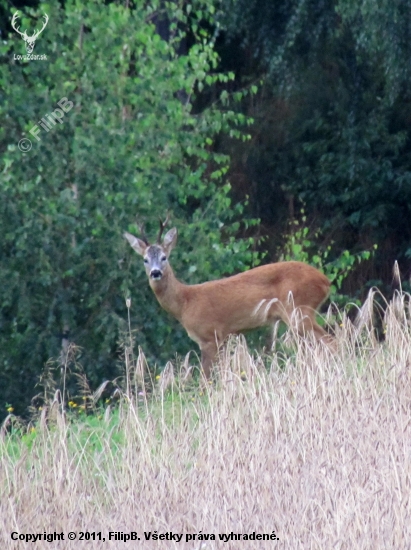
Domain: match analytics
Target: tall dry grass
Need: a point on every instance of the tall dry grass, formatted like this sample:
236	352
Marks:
316	449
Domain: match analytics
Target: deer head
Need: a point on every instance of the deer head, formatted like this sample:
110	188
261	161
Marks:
155	255
29	40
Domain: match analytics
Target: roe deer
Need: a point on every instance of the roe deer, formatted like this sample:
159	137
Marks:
211	311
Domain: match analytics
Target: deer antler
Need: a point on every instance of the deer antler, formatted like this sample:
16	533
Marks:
46	20
24	34
162	227
142	232
13	23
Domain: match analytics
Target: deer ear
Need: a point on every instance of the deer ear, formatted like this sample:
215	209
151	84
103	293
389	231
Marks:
138	245
170	240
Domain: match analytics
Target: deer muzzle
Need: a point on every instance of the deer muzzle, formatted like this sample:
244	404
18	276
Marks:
156	274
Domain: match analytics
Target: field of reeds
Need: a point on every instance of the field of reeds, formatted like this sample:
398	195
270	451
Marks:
301	448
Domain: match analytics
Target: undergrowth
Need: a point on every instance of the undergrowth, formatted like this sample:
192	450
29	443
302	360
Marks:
303	443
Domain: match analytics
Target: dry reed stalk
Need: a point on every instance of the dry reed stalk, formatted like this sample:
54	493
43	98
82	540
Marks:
315	449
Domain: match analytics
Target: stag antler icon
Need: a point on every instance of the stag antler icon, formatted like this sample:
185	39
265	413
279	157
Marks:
29	40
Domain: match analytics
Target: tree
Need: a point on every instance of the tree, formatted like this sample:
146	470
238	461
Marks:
113	136
332	120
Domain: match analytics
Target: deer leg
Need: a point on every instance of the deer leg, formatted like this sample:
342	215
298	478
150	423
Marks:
208	354
307	323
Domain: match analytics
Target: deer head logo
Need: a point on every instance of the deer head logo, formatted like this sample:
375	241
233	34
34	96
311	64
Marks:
29	40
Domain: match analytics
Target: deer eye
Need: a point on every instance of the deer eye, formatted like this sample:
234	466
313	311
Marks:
163	258
145	260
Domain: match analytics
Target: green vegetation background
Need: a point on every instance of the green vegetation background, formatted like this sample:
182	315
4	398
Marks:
309	101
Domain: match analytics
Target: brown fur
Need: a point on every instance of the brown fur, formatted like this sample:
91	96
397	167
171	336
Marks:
211	311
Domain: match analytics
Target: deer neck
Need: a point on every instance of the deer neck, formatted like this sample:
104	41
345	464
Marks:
169	293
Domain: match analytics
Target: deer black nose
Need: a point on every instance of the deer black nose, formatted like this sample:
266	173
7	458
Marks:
156	274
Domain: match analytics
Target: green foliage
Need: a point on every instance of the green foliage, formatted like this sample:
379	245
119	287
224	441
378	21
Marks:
301	244
131	146
332	125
